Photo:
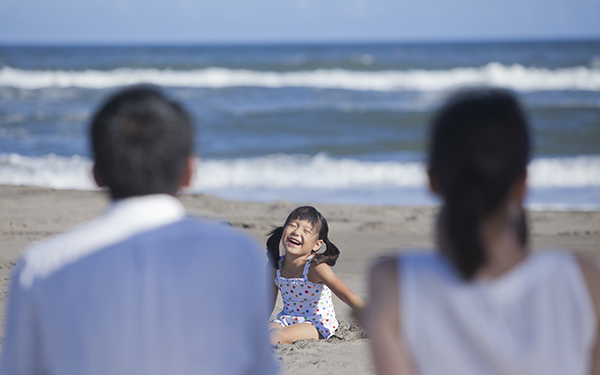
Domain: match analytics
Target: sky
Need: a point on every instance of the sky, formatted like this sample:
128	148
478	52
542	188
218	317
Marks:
284	21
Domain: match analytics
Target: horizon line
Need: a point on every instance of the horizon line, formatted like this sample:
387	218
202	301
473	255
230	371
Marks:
296	42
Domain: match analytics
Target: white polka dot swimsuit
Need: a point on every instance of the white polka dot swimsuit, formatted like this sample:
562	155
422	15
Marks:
306	302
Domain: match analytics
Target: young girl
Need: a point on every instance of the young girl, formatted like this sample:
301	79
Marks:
304	277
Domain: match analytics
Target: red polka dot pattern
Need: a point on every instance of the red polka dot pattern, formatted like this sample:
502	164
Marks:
311	304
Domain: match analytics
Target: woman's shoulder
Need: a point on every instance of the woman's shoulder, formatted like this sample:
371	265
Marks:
393	265
591	277
589	269
384	271
553	261
425	263
420	257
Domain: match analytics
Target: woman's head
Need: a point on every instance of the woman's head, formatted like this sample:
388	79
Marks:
320	229
479	149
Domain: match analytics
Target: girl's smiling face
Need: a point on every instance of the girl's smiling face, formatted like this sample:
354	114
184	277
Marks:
300	238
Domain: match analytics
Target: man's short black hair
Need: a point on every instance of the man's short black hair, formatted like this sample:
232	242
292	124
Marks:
141	141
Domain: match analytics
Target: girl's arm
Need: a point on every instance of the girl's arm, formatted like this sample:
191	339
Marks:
383	322
322	273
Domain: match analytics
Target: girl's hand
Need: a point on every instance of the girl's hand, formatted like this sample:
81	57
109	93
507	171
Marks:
322	273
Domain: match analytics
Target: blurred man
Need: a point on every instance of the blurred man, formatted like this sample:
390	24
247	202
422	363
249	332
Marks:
144	289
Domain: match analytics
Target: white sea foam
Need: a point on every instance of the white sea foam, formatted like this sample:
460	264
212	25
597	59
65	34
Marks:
517	77
299	171
572	172
51	171
291	172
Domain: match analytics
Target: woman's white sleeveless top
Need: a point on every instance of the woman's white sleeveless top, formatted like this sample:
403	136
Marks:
536	319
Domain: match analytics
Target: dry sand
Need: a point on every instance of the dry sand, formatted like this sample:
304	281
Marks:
363	233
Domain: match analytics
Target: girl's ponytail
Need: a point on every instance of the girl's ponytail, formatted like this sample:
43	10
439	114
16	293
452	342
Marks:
329	256
461	217
273	246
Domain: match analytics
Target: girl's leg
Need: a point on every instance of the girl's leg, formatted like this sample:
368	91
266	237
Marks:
274	329
289	334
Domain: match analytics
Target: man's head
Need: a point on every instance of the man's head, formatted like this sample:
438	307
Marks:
142	143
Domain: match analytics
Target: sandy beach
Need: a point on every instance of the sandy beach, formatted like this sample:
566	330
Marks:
362	233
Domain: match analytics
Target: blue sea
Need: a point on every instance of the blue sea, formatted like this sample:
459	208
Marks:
314	123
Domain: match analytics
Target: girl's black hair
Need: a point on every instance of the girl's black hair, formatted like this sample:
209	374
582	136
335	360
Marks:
317	220
479	147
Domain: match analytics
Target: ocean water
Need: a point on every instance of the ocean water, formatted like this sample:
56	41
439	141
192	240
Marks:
327	123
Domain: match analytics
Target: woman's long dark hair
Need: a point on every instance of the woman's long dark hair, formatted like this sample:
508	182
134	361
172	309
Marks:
317	220
479	148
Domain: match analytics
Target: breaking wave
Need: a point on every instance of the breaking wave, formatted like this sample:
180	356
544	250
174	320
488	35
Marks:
290	172
516	77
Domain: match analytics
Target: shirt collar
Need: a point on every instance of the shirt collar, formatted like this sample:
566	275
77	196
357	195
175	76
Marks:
123	219
148	210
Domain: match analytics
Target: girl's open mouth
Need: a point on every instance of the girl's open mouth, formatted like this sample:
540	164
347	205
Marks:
294	242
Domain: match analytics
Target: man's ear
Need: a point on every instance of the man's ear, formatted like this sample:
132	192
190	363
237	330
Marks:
97	177
188	172
433	184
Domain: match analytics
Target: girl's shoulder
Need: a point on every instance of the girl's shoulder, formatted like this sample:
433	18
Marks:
320	267
317	273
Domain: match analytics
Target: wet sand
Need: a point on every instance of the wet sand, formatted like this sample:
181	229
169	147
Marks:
363	233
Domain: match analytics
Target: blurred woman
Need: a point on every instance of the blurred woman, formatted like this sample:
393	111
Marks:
482	303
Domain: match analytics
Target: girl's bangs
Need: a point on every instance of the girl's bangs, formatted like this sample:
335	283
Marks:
307	213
